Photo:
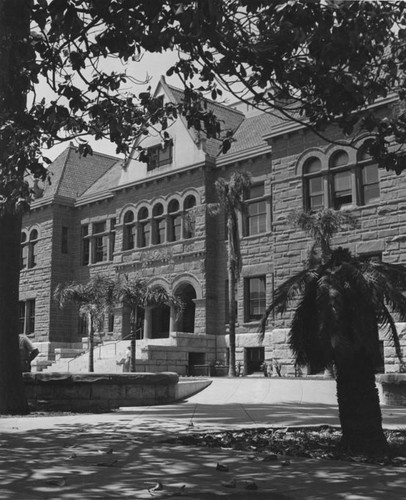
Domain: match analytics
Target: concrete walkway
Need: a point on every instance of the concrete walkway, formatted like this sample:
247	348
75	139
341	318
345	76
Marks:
122	454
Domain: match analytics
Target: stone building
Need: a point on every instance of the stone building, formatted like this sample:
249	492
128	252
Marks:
102	216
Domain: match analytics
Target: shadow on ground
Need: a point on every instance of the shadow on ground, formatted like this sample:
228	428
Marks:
122	456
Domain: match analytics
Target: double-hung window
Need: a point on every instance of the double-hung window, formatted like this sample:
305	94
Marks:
255	298
256	211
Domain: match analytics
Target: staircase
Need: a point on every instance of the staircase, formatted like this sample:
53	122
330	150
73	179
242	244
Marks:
170	354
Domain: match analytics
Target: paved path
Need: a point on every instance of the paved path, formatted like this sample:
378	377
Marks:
122	454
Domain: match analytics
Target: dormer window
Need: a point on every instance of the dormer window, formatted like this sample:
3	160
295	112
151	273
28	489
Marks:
159	156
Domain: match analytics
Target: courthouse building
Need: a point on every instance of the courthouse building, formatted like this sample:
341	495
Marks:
101	215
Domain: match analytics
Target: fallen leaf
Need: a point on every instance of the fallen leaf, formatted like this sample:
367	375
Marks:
250	485
57	482
229	484
157	487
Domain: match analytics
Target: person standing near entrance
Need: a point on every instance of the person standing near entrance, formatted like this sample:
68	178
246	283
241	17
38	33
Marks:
27	352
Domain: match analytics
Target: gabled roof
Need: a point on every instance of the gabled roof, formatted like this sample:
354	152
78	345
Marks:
71	174
250	134
107	181
229	118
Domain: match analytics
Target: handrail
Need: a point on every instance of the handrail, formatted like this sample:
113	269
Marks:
129	336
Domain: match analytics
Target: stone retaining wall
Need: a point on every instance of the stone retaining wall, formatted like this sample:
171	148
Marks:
98	392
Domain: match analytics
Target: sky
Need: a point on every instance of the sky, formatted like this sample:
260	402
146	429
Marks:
151	65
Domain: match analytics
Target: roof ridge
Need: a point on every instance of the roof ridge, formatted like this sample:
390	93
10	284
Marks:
63	168
215	103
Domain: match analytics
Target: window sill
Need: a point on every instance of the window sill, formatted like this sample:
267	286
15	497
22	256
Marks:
259	235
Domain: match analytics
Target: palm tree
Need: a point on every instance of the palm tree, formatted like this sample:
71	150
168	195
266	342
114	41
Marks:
136	293
94	298
231	202
340	303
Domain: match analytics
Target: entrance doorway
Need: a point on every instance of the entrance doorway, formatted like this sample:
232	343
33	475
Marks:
186	322
197	364
255	357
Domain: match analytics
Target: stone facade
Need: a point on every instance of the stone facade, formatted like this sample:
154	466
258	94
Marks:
193	263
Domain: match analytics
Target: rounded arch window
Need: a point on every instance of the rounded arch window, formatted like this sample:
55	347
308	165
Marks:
158	210
128	217
173	206
129	231
143	213
312	165
190	202
33	235
363	154
339	159
174	221
158	224
23	237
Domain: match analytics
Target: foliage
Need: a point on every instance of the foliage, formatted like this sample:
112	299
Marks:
340	300
94	298
269	444
136	293
328	60
315	63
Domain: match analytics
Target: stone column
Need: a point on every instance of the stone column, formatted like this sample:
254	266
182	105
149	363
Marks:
200	316
147	323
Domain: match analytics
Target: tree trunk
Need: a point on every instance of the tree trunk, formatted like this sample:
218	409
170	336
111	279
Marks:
359	409
91	343
14	27
232	313
133	341
12	397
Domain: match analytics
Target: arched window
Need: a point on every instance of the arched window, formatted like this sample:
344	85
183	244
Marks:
189	222
158	224
345	183
314	189
144	228
24	251
341	180
32	253
174	221
129	231
368	178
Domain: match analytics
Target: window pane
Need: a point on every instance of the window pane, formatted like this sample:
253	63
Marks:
85	252
256	297
256	218
371	193
21	317
257	191
99	227
370	184
30	316
342	189
316	202
144	234
312	165
342	181
339	159
370	174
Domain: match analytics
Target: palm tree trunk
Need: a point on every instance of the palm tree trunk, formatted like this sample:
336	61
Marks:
231	317
133	341
91	343
359	409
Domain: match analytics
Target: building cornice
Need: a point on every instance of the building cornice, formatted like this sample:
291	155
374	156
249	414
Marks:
291	126
245	154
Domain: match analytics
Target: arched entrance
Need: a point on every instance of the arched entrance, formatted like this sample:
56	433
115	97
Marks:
160	319
186	321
